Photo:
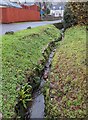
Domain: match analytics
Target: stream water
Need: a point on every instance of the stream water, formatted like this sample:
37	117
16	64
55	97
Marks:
38	105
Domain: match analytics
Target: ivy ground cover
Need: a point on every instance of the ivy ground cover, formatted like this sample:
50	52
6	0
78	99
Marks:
67	80
20	52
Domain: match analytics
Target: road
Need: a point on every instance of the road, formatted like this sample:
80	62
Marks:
21	26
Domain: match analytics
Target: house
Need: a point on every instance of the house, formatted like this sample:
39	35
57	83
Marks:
57	10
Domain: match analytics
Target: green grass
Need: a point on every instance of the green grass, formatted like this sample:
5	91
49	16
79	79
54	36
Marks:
68	76
19	52
0	71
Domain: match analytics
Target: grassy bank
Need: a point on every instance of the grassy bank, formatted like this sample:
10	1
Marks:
67	79
20	53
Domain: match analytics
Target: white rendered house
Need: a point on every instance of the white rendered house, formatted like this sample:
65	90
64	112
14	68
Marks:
57	13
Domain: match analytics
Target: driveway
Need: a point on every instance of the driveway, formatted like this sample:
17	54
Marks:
21	26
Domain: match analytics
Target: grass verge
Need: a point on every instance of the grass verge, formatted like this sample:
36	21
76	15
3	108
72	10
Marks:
20	52
67	79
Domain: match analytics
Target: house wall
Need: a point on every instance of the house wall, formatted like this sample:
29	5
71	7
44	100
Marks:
11	15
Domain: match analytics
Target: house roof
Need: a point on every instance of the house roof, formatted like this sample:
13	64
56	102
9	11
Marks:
29	3
57	6
9	4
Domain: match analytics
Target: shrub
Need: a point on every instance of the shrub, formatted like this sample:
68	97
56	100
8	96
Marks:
75	13
69	18
48	11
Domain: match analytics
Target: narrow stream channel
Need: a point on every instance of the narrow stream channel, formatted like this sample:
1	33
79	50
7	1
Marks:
38	105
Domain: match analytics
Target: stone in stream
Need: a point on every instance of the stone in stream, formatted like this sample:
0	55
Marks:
45	76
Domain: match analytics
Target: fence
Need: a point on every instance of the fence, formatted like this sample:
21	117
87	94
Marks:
11	15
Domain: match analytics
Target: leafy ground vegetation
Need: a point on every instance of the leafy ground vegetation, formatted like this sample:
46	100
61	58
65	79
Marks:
20	53
66	84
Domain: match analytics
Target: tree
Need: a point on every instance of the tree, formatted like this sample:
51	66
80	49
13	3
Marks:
76	13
